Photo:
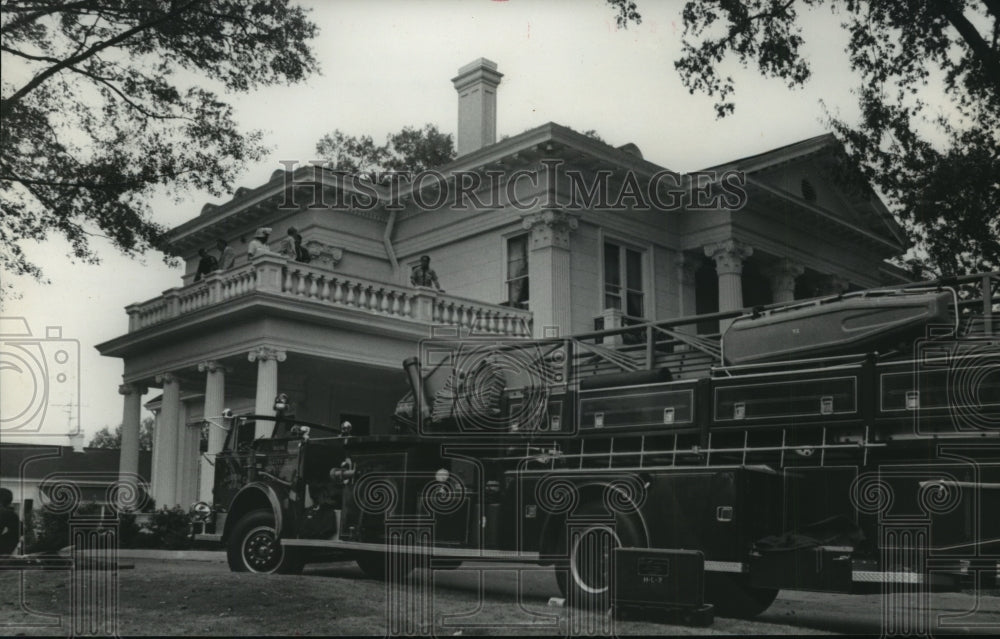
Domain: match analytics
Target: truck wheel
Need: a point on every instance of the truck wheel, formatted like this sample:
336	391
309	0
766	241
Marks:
732	596
254	547
373	564
586	582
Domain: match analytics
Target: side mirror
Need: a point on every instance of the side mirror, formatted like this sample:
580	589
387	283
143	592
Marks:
227	413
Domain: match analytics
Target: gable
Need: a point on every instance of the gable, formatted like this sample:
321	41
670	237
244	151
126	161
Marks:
817	175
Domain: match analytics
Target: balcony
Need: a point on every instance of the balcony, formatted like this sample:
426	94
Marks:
275	275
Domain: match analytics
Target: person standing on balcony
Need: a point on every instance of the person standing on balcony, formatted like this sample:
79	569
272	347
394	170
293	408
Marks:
206	264
292	247
227	256
258	245
424	275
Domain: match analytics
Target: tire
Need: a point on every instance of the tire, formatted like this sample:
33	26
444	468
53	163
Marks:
254	547
373	564
732	596
587	584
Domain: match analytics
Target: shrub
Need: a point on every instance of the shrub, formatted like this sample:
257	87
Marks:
51	529
167	528
172	528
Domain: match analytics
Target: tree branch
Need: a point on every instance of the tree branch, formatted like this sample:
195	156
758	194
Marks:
55	7
90	185
138	107
9	103
28	56
982	51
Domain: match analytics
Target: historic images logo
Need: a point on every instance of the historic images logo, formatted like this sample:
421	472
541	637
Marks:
547	183
39	381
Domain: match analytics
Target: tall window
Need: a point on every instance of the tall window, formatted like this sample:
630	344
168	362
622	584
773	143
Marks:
623	279
517	271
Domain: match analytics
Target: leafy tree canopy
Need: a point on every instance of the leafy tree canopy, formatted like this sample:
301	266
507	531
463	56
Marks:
411	150
929	95
104	101
105	438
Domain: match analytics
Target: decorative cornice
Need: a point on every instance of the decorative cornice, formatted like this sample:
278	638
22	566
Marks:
728	256
266	353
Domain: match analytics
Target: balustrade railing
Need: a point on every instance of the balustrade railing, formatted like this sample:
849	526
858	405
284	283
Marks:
273	274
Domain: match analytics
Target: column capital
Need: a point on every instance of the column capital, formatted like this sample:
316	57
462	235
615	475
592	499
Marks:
550	227
782	275
212	366
728	256
167	378
266	353
130	389
834	284
783	268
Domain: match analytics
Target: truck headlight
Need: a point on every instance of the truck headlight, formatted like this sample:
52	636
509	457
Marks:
200	511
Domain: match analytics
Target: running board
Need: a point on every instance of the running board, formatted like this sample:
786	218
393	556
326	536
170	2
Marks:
468	554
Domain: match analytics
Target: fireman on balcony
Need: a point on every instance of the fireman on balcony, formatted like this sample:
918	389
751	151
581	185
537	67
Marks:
227	256
206	264
258	245
292	248
424	275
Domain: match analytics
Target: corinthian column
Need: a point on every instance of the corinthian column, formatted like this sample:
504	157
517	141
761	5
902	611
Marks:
549	269
215	398
267	384
729	256
782	275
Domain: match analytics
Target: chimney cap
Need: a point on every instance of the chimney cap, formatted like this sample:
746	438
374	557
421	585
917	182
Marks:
479	69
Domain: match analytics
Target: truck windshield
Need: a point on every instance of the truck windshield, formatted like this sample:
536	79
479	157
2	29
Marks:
241	435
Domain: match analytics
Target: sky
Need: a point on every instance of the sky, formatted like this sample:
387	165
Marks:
388	64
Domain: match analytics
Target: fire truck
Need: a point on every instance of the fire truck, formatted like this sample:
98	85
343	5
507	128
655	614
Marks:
841	444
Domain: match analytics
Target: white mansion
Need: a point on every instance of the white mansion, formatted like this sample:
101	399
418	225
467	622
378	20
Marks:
526	259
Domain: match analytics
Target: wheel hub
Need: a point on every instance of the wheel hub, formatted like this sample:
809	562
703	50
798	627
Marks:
261	550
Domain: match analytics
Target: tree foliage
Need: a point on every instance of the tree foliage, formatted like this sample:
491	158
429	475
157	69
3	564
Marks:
105	101
929	95
105	438
410	150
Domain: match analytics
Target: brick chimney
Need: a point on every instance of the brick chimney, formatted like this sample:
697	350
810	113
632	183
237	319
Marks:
477	84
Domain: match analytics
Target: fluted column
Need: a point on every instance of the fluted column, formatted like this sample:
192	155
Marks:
782	275
128	460
215	399
267	384
729	256
188	440
549	269
165	445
